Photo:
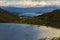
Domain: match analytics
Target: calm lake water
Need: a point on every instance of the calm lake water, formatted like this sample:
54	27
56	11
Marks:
30	14
26	32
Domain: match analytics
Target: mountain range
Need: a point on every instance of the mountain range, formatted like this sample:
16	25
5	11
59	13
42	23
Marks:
31	9
48	19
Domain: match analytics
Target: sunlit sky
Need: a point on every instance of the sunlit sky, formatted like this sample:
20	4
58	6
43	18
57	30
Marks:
29	3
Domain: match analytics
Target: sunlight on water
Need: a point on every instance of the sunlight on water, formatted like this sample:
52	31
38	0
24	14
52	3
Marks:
26	32
48	32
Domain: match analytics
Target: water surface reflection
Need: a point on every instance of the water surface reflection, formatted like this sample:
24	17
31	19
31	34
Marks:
26	32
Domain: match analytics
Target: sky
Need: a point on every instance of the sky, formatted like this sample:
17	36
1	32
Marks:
29	3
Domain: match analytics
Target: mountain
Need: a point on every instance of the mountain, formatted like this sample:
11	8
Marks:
6	16
31	9
50	19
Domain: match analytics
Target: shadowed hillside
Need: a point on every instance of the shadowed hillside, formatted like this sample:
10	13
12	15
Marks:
50	19
6	16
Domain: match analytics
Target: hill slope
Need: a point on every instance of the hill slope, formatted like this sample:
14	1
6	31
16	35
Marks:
6	16
51	18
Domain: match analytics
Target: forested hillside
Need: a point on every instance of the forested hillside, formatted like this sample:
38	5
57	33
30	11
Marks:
6	16
50	19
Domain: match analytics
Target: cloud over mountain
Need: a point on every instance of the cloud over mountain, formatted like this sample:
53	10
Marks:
29	3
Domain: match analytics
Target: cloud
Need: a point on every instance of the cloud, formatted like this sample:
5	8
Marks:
29	3
3	3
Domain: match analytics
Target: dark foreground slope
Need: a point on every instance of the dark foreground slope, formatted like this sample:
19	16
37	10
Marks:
50	19
6	17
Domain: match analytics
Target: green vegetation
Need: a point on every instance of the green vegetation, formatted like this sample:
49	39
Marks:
7	17
51	18
47	19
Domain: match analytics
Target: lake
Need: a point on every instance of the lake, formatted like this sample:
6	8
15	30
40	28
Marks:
26	32
30	14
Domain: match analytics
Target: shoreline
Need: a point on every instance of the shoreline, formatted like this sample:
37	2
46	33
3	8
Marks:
32	24
17	23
